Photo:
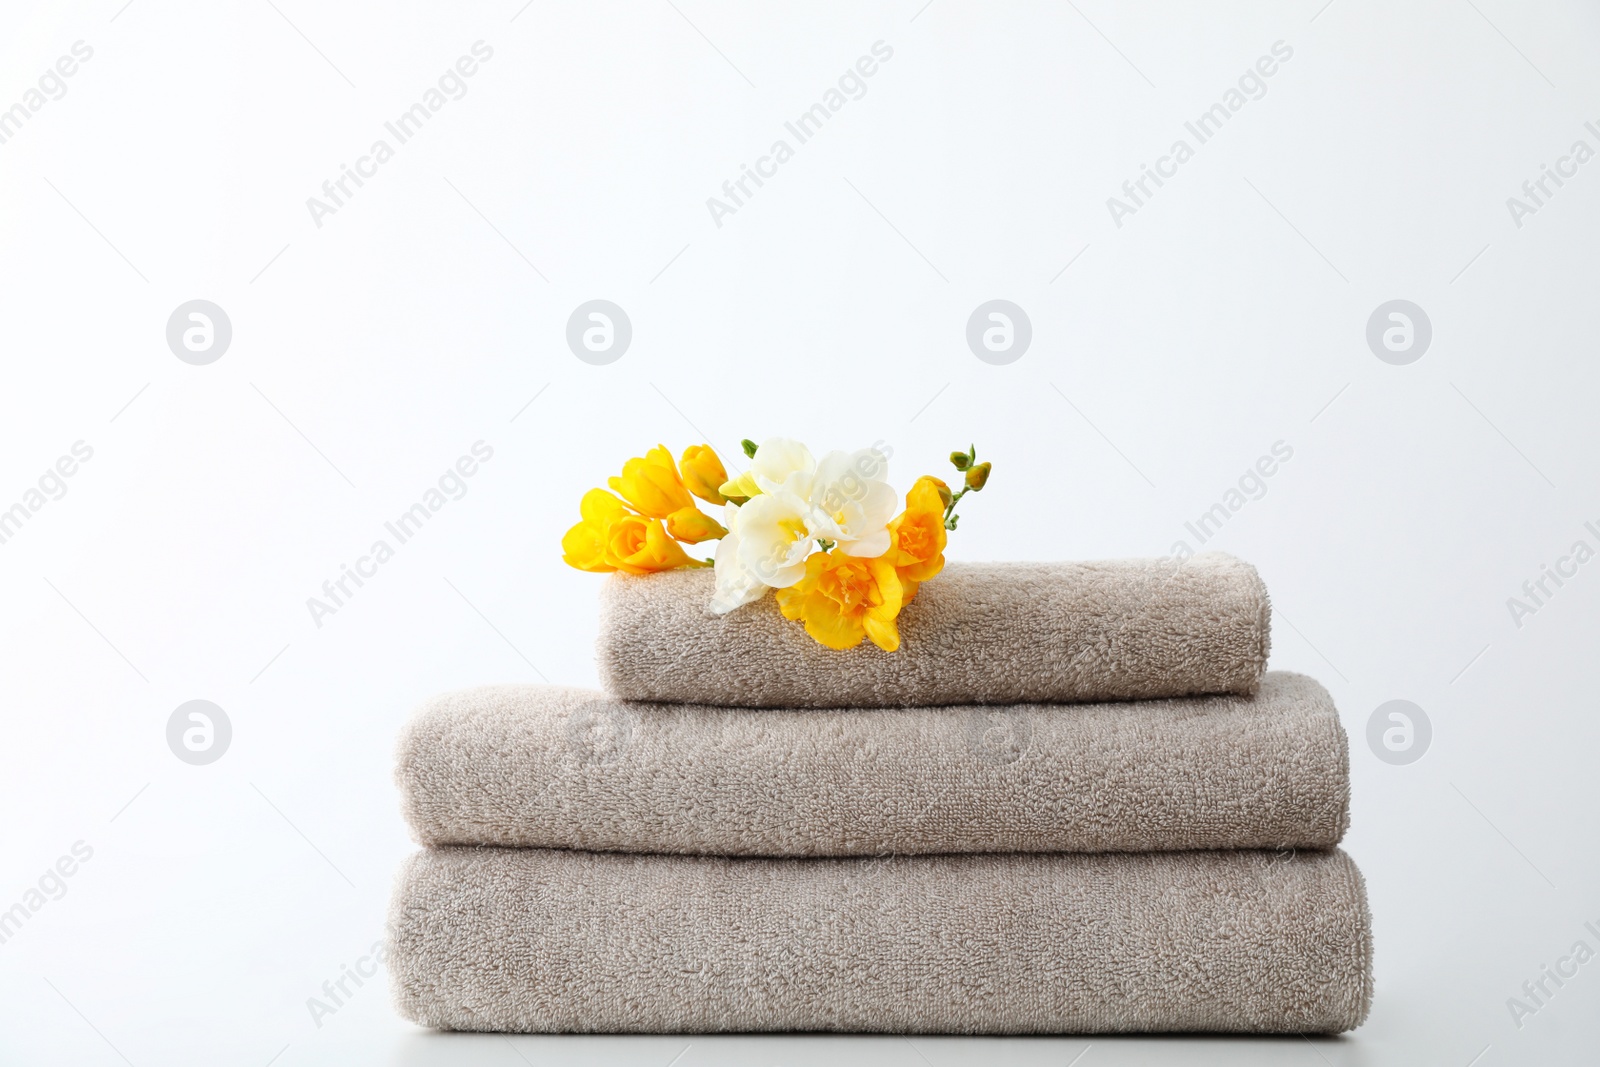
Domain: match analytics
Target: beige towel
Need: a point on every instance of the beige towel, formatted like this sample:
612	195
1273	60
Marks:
567	768
549	941
980	633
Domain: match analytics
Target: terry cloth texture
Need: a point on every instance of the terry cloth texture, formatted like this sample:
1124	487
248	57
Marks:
529	940
979	633
538	766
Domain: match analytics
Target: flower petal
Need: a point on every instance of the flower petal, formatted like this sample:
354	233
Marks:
693	525
875	544
777	460
736	586
831	627
885	633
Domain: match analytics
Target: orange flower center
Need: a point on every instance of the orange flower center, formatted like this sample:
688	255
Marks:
917	538
848	583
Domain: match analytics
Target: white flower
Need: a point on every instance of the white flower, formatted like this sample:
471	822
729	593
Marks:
844	499
782	465
775	538
736	585
774	529
852	502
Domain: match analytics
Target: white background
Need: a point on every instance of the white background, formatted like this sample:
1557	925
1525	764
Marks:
1227	314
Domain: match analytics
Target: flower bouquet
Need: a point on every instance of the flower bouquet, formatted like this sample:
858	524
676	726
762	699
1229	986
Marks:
830	537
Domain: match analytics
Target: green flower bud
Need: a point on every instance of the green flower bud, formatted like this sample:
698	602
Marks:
960	460
977	476
749	447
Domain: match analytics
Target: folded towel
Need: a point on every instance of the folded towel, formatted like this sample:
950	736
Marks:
529	940
545	767
989	633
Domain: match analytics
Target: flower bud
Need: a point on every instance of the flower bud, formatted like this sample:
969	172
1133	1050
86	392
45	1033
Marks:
641	545
739	490
651	484
703	473
693	525
977	476
960	460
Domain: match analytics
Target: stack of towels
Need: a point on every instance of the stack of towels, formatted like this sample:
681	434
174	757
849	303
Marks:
1073	801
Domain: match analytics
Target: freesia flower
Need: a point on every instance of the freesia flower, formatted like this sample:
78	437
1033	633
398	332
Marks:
737	585
652	485
843	598
741	488
783	465
703	473
918	535
823	533
771	533
693	525
584	546
852	502
775	537
639	544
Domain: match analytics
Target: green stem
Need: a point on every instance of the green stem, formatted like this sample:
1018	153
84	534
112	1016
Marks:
950	509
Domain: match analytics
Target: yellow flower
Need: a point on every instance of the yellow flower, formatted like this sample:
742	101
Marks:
703	473
641	545
741	488
651	484
844	598
584	546
613	538
917	537
693	525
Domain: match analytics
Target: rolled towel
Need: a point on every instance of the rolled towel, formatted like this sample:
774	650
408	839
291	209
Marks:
543	767
536	941
979	633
